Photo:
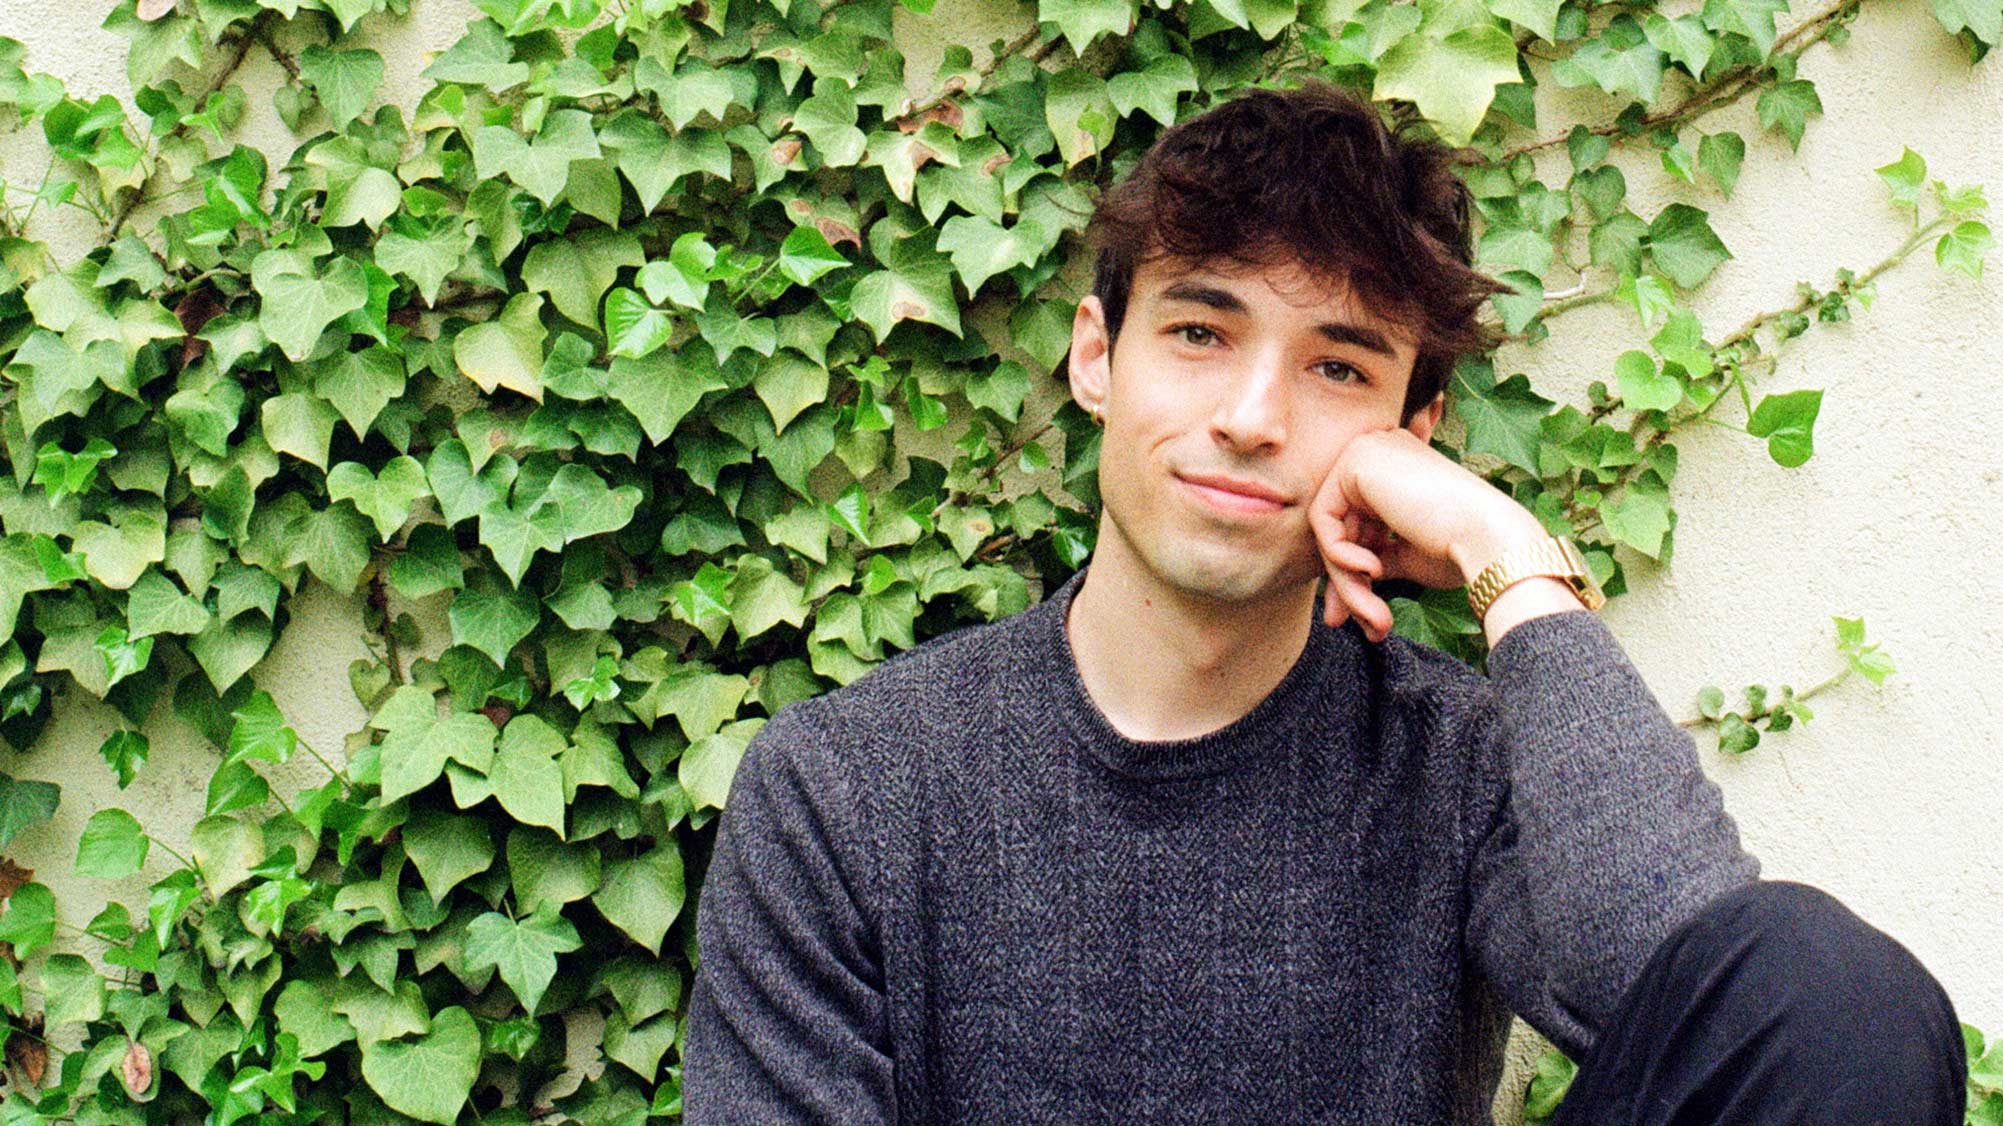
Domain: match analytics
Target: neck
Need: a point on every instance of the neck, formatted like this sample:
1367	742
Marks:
1162	664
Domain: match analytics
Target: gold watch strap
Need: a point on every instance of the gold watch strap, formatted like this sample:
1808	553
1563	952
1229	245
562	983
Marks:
1555	557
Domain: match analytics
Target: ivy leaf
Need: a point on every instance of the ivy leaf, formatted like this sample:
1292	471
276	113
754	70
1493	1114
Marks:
662	388
1539	16
113	846
1684	246
1154	89
642	896
576	272
72	991
1639	518
156	605
385	498
1079	111
299	302
915	284
428	1077
633	328
709	764
1964	247
1683	39
981	249
546	872
828	119
225	849
1504	419
506	351
1681	342
1719	155
694	89
493	621
1753	19
1451	80
1084	21
344	80
424	253
1981	18
333	543
360	384
525	776
523	951
1787	422
1642	386
416	749
540	165
29	922
806	255
1787	107
428	564
447	849
1619	61
761	596
788	385
1904	178
24	804
299	424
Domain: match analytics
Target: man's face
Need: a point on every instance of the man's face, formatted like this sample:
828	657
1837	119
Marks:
1228	398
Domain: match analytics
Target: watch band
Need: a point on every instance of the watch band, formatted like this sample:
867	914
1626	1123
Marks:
1555	557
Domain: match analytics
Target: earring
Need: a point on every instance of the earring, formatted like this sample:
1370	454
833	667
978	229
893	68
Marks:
1098	417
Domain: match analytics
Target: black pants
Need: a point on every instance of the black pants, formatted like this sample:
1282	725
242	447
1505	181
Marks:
1776	1006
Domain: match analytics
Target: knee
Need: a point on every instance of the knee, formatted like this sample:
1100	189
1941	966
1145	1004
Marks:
1814	957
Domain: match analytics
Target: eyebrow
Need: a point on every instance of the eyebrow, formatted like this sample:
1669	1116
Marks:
1224	301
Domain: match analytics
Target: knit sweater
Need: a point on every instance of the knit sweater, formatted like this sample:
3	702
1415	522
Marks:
952	891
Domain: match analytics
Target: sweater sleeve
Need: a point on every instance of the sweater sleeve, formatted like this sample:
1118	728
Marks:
788	1018
1598	832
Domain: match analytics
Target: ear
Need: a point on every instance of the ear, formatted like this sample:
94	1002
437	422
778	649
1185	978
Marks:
1090	364
1427	417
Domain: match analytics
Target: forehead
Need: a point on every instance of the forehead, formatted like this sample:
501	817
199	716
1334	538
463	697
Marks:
1282	290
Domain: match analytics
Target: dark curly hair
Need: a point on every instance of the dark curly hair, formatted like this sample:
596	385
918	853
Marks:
1309	174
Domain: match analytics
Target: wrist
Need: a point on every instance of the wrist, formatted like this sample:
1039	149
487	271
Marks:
1500	532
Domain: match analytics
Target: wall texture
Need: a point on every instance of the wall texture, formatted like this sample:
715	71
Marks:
1888	800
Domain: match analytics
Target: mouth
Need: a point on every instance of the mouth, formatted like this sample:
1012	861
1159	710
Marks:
1235	497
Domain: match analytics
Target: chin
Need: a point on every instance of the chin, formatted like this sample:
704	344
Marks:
1222	575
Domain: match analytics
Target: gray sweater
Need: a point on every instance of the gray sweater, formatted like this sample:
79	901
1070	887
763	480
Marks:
951	891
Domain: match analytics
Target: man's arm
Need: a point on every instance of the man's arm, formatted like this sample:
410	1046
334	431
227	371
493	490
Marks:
788	1020
1599	833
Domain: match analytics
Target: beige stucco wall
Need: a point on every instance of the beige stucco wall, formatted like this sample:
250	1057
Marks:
1889	800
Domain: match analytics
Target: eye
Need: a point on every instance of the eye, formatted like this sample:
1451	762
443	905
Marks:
1199	335
1340	372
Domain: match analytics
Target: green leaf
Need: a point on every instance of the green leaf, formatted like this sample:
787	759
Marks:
225	850
541	165
576	272
709	764
1787	422
113	846
1079	111
546	872
155	605
788	385
1963	248
333	543
828	119
1155	89
344	80
1084	21
506	351
642	896
72	991
916	284
523	951
806	255
1787	107
419	743
426	254
1451	80
981	249
1640	517
428	564
634	328
447	849
1539	16
1982	19
428	1077
524	774
385	498
1719	155
493	621
1620	61
1905	177
30	919
1504	419
1683	39
25	804
1684	246
1643	387
299	303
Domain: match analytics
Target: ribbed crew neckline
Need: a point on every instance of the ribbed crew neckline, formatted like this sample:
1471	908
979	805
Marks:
1249	737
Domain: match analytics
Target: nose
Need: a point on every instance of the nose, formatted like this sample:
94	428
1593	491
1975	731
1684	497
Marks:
1252	411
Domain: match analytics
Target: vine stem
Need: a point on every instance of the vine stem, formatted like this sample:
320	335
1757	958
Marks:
1716	94
1799	697
239	48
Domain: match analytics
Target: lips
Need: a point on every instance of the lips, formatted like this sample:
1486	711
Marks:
1232	494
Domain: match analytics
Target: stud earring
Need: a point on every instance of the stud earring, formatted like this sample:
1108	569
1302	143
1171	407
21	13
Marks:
1098	417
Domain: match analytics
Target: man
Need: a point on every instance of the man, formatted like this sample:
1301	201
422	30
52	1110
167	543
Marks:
1162	847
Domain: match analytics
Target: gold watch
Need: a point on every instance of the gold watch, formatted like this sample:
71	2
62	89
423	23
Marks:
1555	557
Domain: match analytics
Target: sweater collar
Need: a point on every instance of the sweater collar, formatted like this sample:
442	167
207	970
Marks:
1057	694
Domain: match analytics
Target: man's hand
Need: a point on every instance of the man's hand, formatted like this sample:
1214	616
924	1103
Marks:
1395	508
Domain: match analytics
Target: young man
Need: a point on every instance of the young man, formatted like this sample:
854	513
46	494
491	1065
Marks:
1189	841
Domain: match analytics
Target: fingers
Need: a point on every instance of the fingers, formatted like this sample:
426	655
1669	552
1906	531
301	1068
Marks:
1349	594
